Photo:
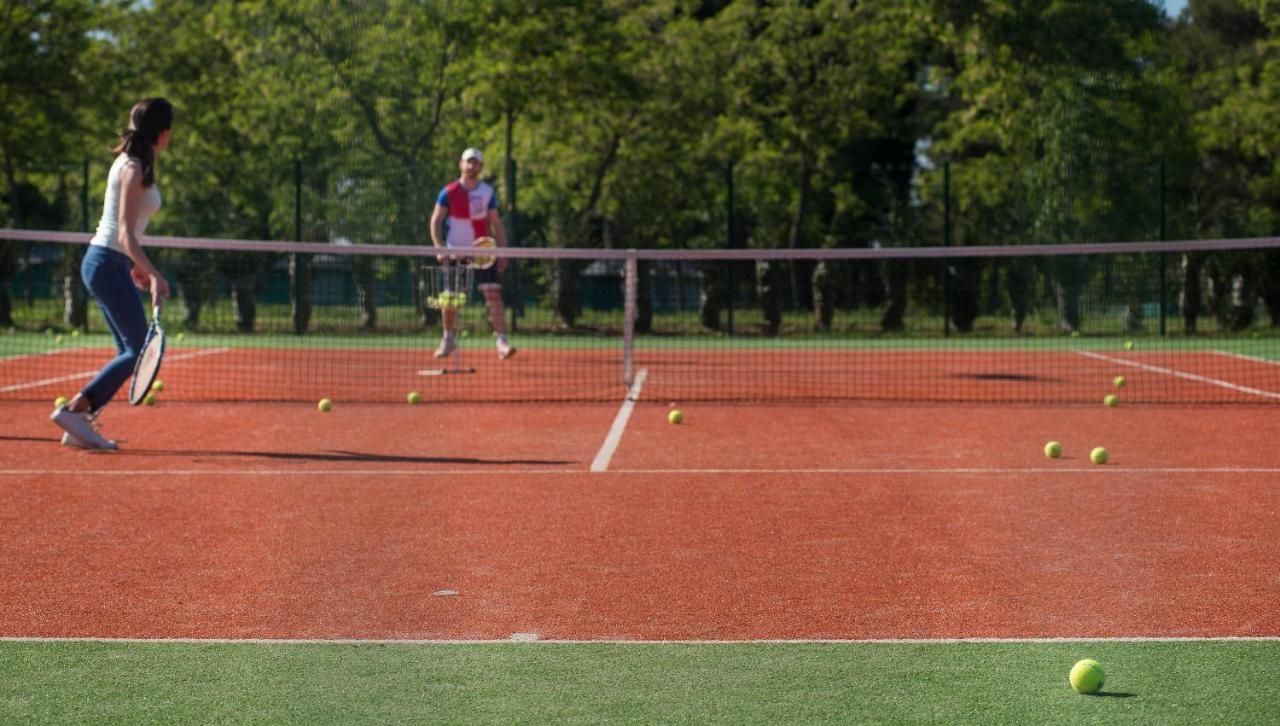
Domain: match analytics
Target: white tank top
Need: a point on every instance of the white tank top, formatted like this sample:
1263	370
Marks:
108	227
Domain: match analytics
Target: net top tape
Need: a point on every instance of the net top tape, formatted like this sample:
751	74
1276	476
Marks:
843	253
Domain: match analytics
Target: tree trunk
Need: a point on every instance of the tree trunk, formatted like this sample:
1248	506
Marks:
366	291
799	280
1190	298
1243	300
300	291
893	318
567	291
644	297
825	290
767	289
1018	280
711	301
75	311
1070	273
6	305
965	275
243	299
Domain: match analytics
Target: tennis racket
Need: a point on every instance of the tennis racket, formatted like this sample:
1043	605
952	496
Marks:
148	365
484	263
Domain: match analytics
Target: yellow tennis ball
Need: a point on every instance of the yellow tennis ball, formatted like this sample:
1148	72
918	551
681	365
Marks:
1110	401
75	333
414	397
1087	676
180	335
149	399
1098	455
157	385
466	333
675	417
60	401
324	405
1119	381
57	339
1053	449
1128	345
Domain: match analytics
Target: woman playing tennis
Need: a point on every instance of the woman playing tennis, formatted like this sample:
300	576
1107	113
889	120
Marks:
116	263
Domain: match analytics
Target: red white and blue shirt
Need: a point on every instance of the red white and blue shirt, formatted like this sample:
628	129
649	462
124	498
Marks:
468	218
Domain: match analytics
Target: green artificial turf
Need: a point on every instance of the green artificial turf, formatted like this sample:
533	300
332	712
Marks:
1005	682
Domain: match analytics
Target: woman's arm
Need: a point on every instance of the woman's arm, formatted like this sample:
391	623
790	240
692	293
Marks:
145	275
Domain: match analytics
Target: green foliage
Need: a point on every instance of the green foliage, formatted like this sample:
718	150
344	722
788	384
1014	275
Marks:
837	118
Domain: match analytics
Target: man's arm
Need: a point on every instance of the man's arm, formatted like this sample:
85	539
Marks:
499	235
437	225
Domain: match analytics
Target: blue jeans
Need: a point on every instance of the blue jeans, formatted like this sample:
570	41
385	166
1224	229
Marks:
106	274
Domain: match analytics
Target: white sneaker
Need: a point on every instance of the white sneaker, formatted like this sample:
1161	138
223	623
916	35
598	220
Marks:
505	349
446	347
72	442
83	429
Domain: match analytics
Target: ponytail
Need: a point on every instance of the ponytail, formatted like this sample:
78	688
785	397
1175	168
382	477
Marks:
149	118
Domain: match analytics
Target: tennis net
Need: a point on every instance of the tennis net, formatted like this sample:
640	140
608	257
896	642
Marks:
1183	322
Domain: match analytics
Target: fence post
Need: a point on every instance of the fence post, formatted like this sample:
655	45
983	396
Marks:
1164	284
729	244
946	242
513	227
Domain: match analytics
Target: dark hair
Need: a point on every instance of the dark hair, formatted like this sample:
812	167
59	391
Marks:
147	120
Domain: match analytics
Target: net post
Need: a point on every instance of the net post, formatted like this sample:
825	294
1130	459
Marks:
629	319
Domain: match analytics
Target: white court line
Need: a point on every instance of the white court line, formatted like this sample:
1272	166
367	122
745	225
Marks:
1110	469
1242	356
27	356
90	374
601	462
1181	374
612	641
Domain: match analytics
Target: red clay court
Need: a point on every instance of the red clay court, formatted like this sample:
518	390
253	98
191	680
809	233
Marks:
470	521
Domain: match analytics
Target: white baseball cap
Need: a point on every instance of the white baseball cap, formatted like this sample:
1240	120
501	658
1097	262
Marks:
473	154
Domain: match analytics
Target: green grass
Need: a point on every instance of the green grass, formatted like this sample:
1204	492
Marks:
1148	682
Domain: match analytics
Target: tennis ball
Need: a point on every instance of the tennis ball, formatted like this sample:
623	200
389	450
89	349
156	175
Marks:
466	333
157	385
324	405
1053	449
181	335
1119	381
675	417
1098	455
60	401
1128	345
57	339
1087	676
414	397
75	333
1110	401
149	399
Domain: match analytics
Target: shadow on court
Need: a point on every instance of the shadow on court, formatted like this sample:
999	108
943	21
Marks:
346	457
321	456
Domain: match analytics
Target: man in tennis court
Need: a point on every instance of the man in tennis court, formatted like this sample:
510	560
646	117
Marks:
116	263
466	210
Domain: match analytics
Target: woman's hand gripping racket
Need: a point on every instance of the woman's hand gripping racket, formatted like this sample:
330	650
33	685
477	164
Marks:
148	365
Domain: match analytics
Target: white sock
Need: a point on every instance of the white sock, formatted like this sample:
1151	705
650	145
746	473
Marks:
502	339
